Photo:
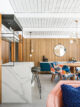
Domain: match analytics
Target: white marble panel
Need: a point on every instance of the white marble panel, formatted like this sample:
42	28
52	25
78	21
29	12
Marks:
16	83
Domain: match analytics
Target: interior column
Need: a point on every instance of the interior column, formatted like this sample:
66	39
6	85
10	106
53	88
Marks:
20	59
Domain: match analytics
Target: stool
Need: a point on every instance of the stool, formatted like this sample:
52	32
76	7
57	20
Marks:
35	71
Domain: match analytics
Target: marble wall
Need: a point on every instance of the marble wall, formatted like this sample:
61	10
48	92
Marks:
16	83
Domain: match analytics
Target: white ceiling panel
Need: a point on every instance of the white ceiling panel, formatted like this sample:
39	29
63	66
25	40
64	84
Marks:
49	22
45	5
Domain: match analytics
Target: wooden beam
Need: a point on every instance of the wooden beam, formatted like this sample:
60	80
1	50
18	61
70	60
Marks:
0	63
20	57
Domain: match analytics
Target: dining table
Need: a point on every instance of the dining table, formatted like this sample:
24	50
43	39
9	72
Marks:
73	66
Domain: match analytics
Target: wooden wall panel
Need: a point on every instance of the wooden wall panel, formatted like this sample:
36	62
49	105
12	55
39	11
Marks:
0	63
32	46
36	51
13	53
45	47
48	49
5	51
42	49
23	49
78	49
28	50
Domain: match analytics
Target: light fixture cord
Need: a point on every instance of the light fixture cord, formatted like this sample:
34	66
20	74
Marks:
30	42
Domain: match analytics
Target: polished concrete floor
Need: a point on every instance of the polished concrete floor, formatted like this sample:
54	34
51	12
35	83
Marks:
46	85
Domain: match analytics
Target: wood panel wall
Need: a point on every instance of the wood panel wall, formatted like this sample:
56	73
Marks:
0	62
45	47
13	53
5	51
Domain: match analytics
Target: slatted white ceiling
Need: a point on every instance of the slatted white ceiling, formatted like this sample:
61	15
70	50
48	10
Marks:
48	22
47	6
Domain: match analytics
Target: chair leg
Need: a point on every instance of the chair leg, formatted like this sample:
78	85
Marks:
36	76
77	78
52	78
61	78
33	77
68	78
39	84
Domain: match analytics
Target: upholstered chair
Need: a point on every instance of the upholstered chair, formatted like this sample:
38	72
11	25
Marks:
55	96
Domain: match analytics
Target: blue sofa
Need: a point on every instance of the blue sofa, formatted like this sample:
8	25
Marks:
45	66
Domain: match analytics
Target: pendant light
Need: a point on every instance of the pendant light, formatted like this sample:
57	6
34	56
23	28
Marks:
71	40
76	31
76	34
30	45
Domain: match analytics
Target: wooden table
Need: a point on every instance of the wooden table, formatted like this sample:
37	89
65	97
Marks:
73	67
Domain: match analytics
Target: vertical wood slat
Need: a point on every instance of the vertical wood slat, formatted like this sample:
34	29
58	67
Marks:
28	50
36	52
48	49
13	53
23	48
52	52
0	63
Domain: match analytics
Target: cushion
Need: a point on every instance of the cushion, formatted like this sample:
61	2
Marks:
79	75
70	96
57	68
63	72
66	68
52	70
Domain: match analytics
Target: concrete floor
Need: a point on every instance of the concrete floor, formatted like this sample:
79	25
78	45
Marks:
22	105
46	85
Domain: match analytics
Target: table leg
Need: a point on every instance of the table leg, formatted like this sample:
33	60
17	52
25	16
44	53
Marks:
61	78
73	70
